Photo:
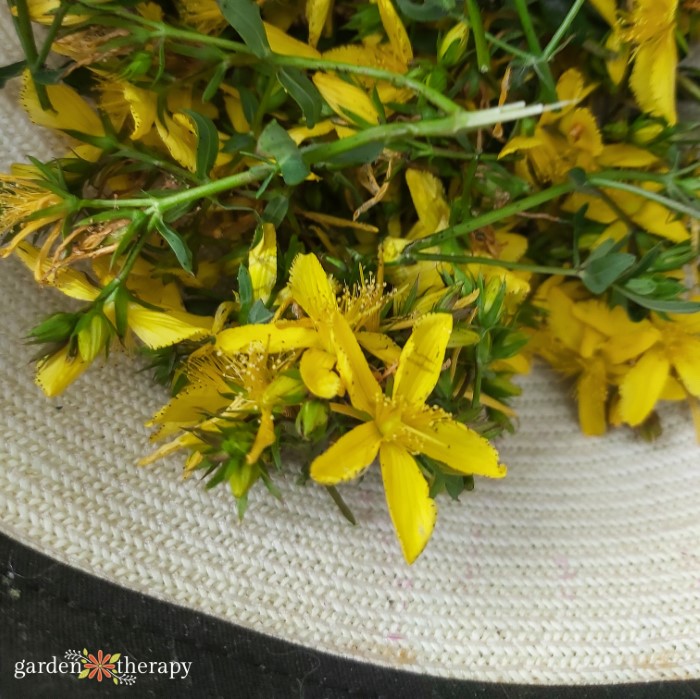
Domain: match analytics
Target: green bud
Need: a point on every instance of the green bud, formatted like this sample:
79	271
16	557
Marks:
242	477
491	301
56	328
139	65
453	45
312	418
93	332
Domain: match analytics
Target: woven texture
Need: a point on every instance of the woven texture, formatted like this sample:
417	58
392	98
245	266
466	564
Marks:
583	566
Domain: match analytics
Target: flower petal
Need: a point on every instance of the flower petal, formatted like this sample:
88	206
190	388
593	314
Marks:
317	373
311	289
161	329
345	99
362	387
393	26
262	261
591	392
316	16
421	359
412	510
348	457
55	373
271	337
380	345
428	195
454	444
642	386
685	356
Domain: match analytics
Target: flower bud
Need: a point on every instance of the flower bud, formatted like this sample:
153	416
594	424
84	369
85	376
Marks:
93	331
312	418
453	45
242	477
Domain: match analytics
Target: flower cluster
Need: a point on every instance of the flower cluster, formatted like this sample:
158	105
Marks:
339	230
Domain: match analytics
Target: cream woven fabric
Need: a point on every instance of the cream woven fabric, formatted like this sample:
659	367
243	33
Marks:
583	566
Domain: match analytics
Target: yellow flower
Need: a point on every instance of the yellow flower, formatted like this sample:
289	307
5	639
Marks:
346	100
22	196
262	387
317	12
312	291
592	342
155	328
398	427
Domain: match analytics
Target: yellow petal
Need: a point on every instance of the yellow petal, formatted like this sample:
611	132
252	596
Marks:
317	373
617	65
581	130
685	356
180	140
234	110
311	289
161	329
454	444
642	386
393	26
380	345
428	196
70	111
299	134
263	438
362	387
562	323
653	78
286	45
673	390
629	345
348	457
142	105
657	219
607	10
55	373
316	15
262	261
68	281
270	337
346	100
591	392
422	357
412	510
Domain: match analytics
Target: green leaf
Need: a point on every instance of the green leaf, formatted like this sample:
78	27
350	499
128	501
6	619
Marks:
244	17
604	267
259	313
207	142
341	504
11	71
641	285
276	209
177	245
245	293
661	305
276	142
303	92
359	155
427	10
213	85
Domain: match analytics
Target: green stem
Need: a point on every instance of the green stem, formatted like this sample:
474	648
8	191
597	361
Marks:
433	128
563	28
600	181
431	95
548	88
159	205
50	36
489	218
483	57
23	25
494	262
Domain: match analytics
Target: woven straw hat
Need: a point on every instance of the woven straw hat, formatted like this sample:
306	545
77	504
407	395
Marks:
582	566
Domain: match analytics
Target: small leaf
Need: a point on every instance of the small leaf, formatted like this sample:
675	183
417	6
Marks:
11	71
177	245
604	267
244	17
83	674
115	657
276	209
342	506
207	142
660	305
259	313
276	142
245	293
303	92
360	155
216	79
427	10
